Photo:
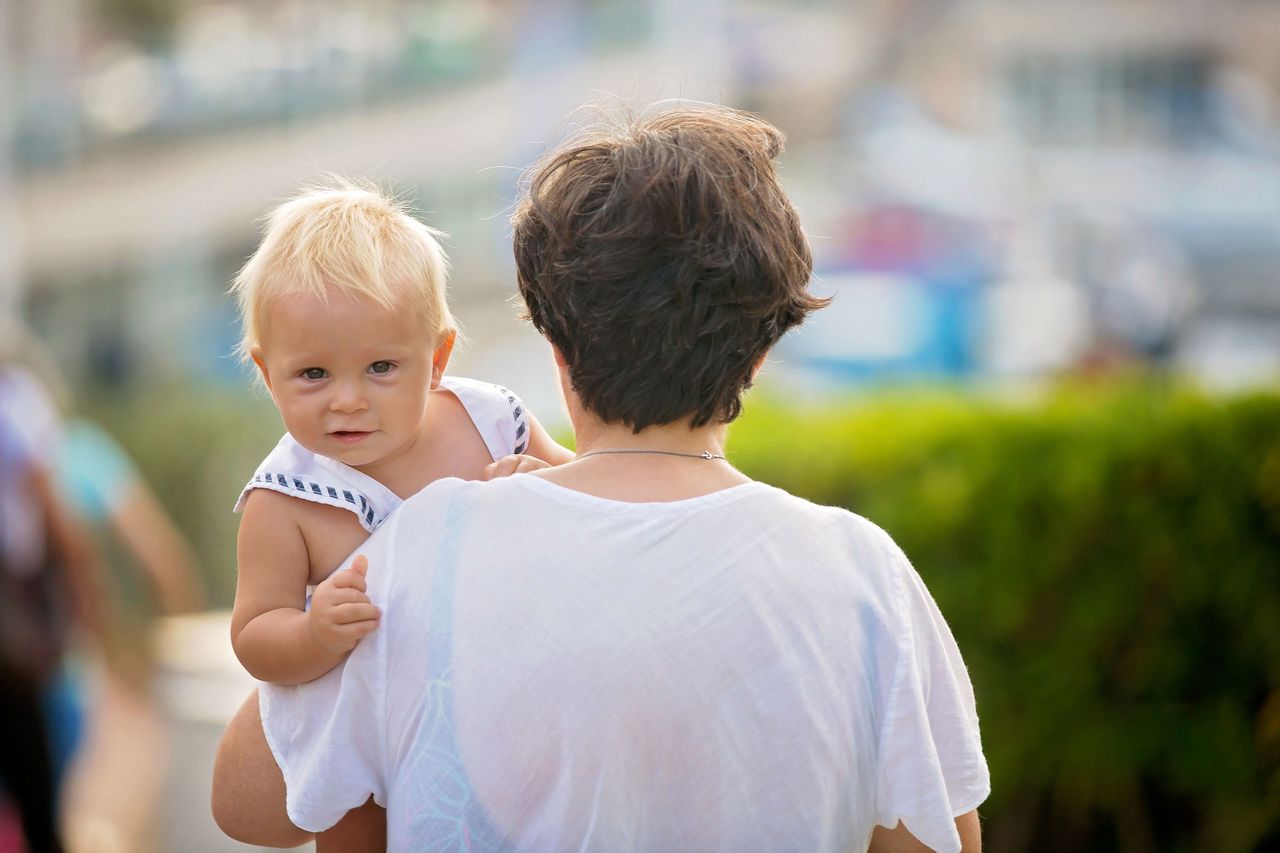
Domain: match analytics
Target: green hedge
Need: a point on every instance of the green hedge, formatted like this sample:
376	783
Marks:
1110	564
1109	560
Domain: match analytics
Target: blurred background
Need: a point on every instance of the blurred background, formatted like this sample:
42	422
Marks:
1051	369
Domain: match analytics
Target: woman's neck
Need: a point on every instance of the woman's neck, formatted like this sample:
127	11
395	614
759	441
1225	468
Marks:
594	436
661	463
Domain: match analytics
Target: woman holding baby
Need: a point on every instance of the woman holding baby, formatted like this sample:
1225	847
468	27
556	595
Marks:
639	649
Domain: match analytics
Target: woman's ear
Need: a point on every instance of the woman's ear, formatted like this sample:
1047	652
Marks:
562	370
755	371
572	404
440	358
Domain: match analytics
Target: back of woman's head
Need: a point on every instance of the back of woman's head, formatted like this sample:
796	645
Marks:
663	259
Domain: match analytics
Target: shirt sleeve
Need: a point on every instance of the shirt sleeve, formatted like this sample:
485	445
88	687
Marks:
329	736
34	415
931	767
93	472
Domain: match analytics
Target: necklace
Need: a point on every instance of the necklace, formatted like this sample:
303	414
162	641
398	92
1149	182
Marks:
706	454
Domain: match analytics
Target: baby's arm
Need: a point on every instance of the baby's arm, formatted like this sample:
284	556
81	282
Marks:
273	636
543	446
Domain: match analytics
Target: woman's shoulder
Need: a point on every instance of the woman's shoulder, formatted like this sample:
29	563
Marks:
836	519
834	541
432	497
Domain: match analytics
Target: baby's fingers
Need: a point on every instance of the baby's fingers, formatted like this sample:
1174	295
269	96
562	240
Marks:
355	631
515	464
331	598
504	467
350	613
353	577
530	463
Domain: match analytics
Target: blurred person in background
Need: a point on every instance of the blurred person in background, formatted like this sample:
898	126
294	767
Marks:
49	584
640	649
98	484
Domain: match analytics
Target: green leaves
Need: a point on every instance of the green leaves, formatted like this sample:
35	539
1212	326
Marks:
1109	560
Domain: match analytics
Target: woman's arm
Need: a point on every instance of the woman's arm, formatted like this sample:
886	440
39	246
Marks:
544	447
900	840
363	830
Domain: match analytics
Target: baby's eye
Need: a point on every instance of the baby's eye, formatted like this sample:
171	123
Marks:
381	367
313	373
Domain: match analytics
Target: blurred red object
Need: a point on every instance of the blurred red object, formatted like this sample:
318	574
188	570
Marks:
10	829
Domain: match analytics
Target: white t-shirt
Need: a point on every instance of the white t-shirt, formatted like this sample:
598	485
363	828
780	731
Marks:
555	671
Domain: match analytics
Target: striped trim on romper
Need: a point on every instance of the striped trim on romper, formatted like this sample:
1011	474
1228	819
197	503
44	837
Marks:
522	421
275	481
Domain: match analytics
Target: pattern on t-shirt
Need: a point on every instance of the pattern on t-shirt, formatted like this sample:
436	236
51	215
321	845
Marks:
446	814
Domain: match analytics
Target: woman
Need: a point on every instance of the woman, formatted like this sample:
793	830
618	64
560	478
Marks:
641	649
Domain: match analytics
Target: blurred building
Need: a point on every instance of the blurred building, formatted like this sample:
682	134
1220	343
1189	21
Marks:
1059	185
149	138
1020	187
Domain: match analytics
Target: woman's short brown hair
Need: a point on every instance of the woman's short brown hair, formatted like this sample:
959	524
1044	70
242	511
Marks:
663	259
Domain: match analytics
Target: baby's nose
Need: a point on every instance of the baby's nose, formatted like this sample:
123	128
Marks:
348	398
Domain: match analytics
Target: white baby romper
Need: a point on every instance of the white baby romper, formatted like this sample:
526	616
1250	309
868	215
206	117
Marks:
291	469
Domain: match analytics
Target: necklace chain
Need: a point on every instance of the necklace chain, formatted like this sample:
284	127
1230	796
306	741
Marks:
706	454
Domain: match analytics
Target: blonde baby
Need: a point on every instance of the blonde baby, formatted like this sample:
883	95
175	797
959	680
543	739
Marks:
345	318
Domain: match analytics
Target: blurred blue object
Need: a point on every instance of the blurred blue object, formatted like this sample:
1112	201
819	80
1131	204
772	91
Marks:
64	710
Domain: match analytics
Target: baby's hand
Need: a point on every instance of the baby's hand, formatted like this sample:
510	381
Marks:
340	611
517	463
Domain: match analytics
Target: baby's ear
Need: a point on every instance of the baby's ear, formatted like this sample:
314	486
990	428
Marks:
255	353
440	358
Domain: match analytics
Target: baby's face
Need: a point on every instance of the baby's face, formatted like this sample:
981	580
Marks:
350	377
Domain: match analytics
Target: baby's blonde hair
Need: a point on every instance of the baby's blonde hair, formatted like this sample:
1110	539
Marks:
355	240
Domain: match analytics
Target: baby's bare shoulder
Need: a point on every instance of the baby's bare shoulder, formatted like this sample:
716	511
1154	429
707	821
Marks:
458	448
447	404
328	533
266	505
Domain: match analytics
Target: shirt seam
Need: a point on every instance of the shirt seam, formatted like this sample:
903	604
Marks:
385	657
710	499
906	653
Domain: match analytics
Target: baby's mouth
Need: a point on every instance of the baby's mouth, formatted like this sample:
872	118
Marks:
350	436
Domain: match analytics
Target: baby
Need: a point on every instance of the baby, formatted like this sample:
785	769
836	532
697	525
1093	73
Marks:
345	318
